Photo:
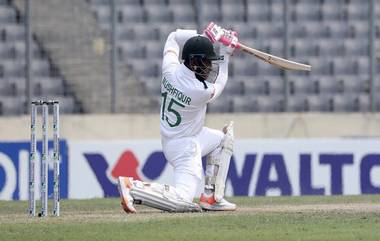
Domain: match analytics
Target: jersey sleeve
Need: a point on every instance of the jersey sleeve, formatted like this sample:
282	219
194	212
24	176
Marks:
220	82
174	42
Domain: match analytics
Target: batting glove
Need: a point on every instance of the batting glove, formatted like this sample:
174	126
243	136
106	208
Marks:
213	32
229	42
230	39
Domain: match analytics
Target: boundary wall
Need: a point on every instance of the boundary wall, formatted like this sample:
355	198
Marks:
146	126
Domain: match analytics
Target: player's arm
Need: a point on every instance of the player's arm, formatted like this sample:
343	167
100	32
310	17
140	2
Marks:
226	50
220	82
174	42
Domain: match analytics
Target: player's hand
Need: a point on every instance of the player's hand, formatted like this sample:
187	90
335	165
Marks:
230	42
228	38
213	32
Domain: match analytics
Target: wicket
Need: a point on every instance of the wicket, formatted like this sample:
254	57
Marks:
44	158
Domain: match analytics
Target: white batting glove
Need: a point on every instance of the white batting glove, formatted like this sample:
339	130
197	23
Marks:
230	39
213	32
229	42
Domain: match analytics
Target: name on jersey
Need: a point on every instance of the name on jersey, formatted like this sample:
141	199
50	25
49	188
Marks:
176	93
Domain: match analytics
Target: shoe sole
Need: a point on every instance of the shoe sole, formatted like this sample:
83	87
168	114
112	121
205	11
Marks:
125	197
208	207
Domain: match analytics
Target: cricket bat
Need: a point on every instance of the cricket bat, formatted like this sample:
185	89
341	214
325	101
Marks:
274	60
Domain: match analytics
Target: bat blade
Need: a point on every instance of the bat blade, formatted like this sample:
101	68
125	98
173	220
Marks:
274	60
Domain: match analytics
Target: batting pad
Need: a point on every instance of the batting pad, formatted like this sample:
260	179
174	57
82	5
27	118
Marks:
162	197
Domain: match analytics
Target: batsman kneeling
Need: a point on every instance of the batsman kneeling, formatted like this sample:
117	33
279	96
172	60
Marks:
186	89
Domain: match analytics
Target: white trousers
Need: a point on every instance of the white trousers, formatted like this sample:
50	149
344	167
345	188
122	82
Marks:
185	155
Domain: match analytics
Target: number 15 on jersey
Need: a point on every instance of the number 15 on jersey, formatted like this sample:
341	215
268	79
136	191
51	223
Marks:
171	109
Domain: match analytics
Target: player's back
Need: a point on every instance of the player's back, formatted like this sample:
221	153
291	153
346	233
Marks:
183	104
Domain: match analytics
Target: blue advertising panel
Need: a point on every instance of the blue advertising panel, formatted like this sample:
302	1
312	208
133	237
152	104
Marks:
14	170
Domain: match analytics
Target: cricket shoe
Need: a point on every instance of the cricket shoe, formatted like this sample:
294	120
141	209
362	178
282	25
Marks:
208	203
124	185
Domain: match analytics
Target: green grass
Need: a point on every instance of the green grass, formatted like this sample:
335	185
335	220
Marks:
258	218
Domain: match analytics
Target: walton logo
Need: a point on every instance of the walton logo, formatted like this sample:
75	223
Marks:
274	172
126	165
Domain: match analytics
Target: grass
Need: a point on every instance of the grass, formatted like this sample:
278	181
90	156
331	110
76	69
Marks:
258	218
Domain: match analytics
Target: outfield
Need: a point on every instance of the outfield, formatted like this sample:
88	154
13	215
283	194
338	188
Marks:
258	218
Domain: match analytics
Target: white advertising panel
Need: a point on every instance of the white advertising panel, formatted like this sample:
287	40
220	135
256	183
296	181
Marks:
95	165
258	167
